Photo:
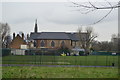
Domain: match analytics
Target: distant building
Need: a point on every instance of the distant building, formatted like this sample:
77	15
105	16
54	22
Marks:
18	42
50	40
54	39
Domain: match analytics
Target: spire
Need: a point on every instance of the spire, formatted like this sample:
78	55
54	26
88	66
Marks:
36	21
36	29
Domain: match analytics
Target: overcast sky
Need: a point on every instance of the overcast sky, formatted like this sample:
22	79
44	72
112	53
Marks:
56	16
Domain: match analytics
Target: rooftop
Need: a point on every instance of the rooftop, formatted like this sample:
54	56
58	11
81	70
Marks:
54	35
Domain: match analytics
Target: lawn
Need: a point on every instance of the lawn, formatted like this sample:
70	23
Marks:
59	72
91	60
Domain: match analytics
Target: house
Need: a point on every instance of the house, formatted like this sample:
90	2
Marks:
18	42
18	45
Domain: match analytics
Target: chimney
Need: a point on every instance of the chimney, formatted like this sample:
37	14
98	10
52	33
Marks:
13	35
23	36
27	36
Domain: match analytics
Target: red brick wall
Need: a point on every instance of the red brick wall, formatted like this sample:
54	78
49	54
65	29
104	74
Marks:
17	42
57	43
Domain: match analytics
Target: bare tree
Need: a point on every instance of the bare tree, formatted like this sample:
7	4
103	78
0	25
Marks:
106	46
4	33
96	45
90	7
86	38
103	46
113	45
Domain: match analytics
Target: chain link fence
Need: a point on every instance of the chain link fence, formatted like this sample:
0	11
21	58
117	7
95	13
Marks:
54	57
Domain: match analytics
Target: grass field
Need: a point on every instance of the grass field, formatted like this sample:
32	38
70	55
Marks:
62	60
58	72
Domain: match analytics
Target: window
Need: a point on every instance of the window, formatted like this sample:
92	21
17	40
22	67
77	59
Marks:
42	44
53	44
63	43
35	43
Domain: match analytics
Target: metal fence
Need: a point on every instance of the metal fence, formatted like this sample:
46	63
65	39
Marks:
53	57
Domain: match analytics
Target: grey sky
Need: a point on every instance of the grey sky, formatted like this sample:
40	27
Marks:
53	16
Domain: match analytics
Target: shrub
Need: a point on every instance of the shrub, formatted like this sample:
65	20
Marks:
63	49
81	53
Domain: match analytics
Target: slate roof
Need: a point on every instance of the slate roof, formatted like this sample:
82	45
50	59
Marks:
73	36
33	35
54	35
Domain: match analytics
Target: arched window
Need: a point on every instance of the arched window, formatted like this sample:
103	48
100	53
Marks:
53	44
42	43
35	43
62	43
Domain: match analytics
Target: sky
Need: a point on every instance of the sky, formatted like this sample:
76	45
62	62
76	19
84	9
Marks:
57	17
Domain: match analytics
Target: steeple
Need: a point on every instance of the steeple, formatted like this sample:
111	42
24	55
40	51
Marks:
36	28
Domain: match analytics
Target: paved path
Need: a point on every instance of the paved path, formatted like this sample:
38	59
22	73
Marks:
50	65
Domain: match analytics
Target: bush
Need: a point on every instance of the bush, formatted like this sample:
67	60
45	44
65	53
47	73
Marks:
81	53
63	49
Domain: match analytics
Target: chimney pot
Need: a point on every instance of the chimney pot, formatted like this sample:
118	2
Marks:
23	36
27	36
13	35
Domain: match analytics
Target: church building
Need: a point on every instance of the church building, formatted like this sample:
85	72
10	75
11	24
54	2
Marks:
53	40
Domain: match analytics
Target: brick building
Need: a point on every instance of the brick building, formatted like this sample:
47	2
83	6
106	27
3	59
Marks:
18	41
50	40
53	39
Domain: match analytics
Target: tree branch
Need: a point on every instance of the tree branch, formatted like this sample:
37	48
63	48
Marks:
91	7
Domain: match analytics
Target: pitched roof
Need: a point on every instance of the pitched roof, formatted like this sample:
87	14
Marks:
18	37
50	35
34	35
73	36
56	35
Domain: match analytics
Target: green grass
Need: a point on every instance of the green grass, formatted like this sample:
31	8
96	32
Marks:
58	72
62	60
